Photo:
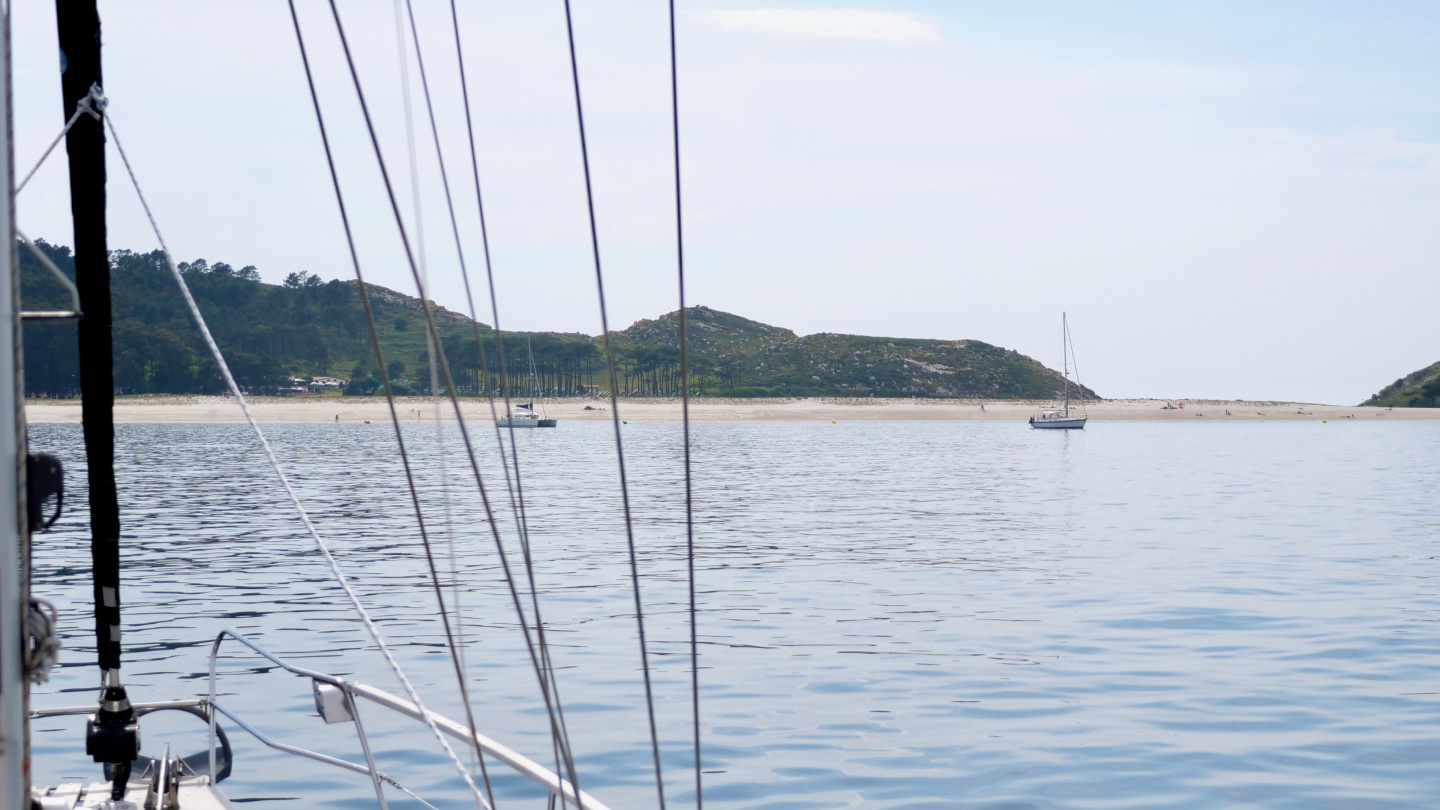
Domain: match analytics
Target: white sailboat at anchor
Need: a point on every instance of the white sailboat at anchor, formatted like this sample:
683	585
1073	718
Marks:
524	415
1061	419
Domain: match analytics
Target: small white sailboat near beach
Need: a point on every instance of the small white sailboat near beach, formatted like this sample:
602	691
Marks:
524	415
1061	419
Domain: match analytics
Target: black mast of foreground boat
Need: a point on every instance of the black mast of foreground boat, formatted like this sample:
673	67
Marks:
112	736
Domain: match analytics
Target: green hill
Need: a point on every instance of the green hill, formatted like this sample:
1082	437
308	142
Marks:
268	332
308	327
736	356
1418	389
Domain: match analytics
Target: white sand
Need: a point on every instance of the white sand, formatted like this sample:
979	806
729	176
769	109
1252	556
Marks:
359	409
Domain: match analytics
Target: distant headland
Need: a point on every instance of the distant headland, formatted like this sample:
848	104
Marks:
1418	389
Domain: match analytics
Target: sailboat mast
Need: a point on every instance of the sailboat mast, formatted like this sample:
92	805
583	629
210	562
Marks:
1065	357
14	691
531	353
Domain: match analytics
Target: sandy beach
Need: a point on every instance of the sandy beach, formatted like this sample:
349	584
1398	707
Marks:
373	409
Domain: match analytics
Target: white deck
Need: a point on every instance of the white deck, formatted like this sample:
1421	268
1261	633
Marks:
194	795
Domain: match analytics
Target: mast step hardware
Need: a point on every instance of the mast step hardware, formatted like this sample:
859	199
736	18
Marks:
112	736
44	479
193	765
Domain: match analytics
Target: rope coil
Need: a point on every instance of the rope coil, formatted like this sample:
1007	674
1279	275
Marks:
41	650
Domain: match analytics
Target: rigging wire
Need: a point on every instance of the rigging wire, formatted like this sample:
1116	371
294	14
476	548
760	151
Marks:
448	377
454	222
340	577
87	104
457	649
420	254
685	414
501	371
394	416
516	494
395	421
516	487
1075	364
615	413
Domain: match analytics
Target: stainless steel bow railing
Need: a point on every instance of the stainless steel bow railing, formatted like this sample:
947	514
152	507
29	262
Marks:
532	770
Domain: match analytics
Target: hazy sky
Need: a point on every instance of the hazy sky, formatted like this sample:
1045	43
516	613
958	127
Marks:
1230	199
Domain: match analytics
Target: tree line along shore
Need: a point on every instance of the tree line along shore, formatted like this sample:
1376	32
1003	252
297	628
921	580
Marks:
280	337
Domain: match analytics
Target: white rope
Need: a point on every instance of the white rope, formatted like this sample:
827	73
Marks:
94	103
42	647
369	623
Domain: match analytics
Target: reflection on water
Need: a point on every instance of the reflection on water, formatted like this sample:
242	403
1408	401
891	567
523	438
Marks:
894	614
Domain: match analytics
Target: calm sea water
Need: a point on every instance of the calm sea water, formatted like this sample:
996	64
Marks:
893	614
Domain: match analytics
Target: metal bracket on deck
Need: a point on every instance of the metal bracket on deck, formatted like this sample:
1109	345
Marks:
330	702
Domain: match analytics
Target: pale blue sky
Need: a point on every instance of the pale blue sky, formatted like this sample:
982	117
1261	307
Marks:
1230	199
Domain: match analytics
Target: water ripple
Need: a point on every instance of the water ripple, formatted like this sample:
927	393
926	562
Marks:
895	615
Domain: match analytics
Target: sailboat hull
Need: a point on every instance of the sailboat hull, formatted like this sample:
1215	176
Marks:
1061	423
